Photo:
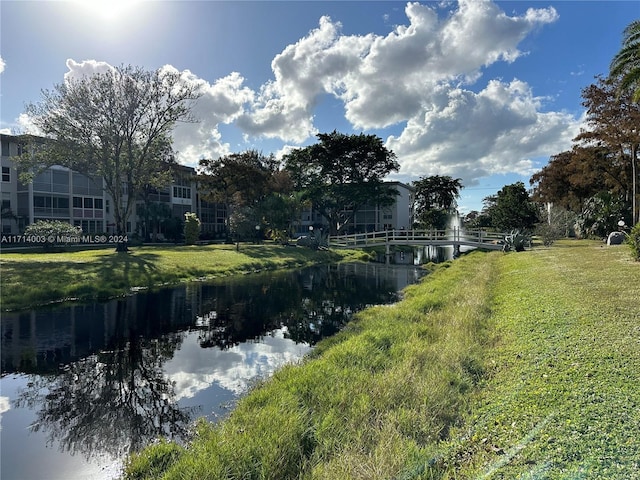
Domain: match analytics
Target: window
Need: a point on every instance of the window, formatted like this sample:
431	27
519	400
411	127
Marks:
60	202
97	203
60	181
88	202
106	209
77	202
181	192
6	174
41	202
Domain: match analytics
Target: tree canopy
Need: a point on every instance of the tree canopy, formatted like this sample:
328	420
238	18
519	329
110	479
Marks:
434	198
511	209
572	177
249	184
342	173
114	125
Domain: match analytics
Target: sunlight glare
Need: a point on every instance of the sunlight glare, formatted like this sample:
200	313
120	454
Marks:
107	9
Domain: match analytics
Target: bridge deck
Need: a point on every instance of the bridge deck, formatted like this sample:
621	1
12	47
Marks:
451	237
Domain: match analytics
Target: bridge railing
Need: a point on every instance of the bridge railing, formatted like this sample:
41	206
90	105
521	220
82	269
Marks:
435	237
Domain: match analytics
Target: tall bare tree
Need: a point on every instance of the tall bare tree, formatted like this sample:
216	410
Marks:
114	125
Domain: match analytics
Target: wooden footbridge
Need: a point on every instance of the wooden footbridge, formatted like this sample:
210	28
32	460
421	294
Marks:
455	237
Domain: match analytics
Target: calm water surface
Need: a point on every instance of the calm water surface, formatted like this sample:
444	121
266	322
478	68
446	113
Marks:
83	385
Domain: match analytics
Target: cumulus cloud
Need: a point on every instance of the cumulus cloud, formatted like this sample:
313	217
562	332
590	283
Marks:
221	103
2	64
423	79
384	79
26	125
86	68
420	74
303	73
471	135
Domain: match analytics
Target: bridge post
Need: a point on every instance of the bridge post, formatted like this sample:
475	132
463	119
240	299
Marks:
387	248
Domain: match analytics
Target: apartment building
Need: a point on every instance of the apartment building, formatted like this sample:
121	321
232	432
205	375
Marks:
374	218
59	193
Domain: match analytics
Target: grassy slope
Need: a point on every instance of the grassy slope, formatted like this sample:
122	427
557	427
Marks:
501	366
28	279
564	399
370	401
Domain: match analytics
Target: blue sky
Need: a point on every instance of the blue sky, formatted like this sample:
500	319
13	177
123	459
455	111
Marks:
483	91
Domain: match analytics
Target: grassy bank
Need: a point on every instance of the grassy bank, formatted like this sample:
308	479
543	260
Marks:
371	400
523	365
563	400
30	279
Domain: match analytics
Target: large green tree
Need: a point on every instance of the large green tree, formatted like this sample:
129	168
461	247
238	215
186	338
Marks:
341	173
114	126
434	199
512	209
243	182
626	63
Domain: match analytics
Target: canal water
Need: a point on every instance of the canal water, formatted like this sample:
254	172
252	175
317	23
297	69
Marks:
83	385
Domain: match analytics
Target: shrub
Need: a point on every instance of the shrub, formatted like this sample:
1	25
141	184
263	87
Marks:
548	233
516	241
51	232
634	241
191	228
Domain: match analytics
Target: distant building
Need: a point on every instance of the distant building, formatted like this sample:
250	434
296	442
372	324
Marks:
373	217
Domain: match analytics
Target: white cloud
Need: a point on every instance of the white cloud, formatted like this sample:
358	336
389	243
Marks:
5	406
303	72
398	76
418	74
2	64
471	135
233	369
86	68
26	125
422	77
221	103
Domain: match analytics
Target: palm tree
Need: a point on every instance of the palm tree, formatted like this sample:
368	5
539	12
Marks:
626	63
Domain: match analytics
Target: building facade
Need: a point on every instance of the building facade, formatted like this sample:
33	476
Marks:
59	193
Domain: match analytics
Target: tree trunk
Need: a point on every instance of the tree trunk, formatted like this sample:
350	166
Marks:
635	218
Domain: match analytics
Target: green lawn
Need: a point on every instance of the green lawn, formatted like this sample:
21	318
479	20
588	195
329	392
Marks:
521	365
28	279
563	399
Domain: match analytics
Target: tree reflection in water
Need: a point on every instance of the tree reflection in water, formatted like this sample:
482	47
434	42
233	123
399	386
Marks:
112	395
311	304
112	402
